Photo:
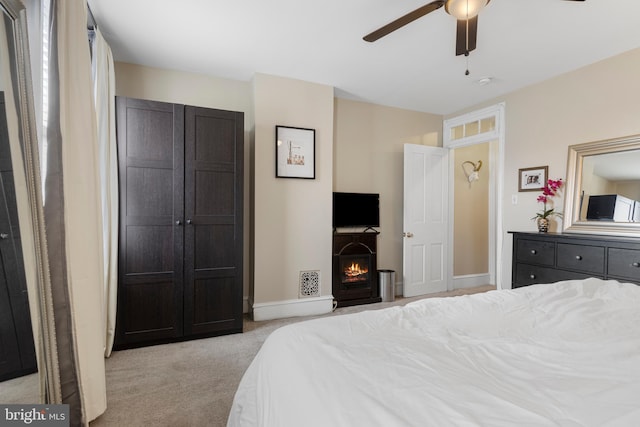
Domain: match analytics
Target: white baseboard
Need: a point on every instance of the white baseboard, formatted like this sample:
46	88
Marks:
399	288
459	282
471	280
292	308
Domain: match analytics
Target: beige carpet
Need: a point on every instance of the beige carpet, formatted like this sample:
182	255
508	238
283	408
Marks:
192	383
20	390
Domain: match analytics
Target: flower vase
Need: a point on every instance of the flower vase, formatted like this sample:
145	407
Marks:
543	225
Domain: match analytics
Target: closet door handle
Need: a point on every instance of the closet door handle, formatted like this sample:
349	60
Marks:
3	235
578	257
178	222
188	221
635	264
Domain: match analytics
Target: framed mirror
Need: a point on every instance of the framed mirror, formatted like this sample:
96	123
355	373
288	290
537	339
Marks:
603	187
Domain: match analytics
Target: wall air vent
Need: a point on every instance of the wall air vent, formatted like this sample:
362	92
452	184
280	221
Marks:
309	284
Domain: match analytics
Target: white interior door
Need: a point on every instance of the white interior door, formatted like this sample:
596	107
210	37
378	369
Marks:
426	220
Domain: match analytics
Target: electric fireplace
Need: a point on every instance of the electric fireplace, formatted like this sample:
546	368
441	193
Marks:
355	278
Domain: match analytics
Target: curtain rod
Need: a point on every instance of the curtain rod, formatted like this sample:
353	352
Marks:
91	21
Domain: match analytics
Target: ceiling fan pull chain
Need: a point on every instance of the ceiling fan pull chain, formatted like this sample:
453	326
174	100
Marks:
466	54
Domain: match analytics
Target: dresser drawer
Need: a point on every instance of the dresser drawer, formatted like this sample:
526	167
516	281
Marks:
536	252
589	259
624	263
527	274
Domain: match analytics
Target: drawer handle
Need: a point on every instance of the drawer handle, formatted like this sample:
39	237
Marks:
532	276
578	257
635	264
533	251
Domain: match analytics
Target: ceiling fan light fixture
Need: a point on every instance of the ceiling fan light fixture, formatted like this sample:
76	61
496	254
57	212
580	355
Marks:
464	9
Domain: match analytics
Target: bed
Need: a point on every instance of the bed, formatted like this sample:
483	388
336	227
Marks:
563	354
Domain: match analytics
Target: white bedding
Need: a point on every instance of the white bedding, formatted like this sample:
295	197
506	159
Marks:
565	354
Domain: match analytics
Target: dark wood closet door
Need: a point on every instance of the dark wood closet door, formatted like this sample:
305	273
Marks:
17	351
9	350
151	169
213	212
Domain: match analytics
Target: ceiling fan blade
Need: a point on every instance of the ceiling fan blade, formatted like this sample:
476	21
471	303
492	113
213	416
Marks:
404	20
466	35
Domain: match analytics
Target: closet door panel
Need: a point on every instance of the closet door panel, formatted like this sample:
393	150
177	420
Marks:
151	163
9	349
143	199
213	206
213	295
150	320
209	253
214	193
150	125
149	250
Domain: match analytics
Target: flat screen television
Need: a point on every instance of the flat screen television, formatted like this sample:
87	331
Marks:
356	210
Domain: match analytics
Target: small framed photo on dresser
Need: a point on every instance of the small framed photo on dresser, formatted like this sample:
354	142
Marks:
532	179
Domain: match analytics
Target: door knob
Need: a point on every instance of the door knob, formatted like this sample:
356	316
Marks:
188	221
3	235
178	222
408	234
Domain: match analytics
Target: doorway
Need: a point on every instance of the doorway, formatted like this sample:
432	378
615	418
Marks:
483	127
471	188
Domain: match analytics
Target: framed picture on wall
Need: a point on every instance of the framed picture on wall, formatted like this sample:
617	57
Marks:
532	179
295	152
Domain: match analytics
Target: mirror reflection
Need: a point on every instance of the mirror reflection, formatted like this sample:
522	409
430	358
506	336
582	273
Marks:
603	187
610	188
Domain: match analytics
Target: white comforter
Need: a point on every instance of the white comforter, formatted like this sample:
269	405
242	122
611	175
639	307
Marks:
566	354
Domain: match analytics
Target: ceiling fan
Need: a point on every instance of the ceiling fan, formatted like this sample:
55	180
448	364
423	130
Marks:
465	12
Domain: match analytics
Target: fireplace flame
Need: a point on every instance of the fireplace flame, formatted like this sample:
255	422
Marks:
354	270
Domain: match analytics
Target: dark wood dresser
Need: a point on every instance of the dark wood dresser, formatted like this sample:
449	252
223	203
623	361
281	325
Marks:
551	257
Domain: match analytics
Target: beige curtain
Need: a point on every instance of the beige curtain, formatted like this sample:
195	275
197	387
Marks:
81	206
27	238
104	88
70	214
41	299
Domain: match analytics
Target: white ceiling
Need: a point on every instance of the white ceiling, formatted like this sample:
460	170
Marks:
520	42
620	166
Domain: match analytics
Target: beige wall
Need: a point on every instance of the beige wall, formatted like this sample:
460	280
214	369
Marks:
471	212
292	217
137	81
368	157
596	102
627	189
